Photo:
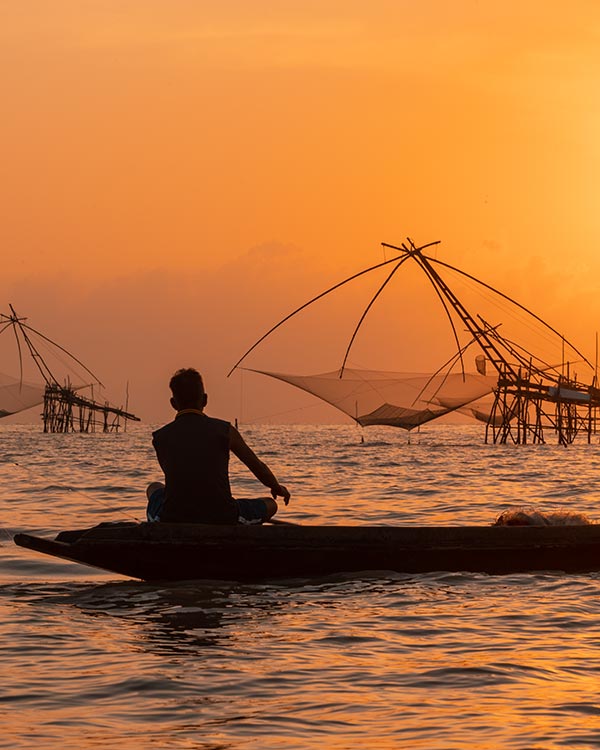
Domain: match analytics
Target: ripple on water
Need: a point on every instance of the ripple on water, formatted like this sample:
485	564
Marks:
379	660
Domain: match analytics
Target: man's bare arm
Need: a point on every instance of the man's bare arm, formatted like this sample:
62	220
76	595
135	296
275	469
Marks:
260	469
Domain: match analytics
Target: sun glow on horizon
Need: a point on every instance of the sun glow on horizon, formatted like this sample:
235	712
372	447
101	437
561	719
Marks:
149	150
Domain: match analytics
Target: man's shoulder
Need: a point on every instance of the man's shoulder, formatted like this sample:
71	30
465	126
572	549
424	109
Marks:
216	428
164	430
220	426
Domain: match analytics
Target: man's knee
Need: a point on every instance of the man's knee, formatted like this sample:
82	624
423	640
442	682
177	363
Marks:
271	506
152	487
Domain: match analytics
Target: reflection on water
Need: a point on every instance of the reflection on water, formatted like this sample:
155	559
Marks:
175	619
376	661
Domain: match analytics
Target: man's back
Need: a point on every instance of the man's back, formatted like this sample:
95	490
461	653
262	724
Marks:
193	452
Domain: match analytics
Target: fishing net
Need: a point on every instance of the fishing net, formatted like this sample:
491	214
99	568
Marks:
406	400
17	395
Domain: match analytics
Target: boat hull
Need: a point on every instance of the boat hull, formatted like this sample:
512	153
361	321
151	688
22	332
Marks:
172	552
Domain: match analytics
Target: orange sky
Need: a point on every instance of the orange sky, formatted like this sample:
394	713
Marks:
177	176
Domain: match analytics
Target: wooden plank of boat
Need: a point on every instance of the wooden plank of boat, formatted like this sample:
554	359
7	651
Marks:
162	551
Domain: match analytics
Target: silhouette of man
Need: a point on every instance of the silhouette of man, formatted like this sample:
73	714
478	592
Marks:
193	452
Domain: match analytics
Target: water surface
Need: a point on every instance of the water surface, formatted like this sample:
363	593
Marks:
379	660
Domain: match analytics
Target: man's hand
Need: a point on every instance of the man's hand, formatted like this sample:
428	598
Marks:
280	491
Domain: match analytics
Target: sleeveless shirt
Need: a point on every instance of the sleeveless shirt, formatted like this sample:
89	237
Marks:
193	452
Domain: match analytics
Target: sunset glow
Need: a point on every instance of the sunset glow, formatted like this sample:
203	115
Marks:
179	176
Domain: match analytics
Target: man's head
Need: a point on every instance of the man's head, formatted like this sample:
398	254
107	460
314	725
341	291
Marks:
188	390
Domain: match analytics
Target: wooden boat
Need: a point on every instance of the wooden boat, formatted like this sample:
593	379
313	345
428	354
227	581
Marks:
162	551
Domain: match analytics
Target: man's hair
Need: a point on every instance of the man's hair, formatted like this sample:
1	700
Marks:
187	387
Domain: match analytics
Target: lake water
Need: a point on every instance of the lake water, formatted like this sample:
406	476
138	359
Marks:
444	660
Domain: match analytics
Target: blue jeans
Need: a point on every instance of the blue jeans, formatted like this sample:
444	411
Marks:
249	511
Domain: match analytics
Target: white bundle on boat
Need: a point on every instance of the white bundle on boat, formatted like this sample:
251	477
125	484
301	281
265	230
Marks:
532	517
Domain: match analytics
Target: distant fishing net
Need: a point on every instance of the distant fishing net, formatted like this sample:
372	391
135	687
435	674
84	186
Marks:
529	390
17	395
526	516
405	400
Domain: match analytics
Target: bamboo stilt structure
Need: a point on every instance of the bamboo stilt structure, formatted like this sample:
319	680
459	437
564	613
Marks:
532	397
64	408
